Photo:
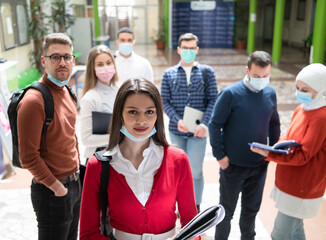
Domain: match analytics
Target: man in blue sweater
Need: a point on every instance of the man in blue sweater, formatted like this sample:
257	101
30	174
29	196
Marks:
244	112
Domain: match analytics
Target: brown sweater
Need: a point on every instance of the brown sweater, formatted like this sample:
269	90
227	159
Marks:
62	156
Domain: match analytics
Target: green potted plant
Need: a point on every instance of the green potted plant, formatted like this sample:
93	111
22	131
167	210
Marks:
160	35
60	19
37	30
241	27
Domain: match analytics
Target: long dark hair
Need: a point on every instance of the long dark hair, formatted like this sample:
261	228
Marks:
136	86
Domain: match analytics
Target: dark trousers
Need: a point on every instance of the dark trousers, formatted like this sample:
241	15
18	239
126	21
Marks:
57	217
250	182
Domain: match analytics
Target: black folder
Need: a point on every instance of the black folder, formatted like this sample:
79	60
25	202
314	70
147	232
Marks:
101	122
201	223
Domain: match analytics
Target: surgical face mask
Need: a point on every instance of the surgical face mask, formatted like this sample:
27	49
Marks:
125	48
132	138
105	74
303	97
58	82
188	55
259	83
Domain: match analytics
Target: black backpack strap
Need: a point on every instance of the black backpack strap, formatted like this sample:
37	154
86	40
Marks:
48	106
106	229
72	93
204	71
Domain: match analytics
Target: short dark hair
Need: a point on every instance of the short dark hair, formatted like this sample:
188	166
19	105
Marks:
55	38
187	37
259	58
125	30
136	86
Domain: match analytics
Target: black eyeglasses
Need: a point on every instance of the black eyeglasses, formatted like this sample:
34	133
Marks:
56	58
191	48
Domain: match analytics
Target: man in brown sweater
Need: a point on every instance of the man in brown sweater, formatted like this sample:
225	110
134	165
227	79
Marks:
55	189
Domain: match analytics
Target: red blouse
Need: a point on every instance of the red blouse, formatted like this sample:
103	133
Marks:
172	184
303	172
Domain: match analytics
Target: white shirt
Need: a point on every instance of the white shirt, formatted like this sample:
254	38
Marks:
294	206
101	98
107	95
134	66
188	73
140	181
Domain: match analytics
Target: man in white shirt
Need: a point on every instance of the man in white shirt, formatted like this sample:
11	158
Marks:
128	63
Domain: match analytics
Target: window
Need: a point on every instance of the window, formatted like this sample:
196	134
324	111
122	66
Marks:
14	23
287	10
301	10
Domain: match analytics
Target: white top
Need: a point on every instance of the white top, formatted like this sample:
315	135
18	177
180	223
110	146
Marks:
140	181
134	66
294	206
101	98
188	73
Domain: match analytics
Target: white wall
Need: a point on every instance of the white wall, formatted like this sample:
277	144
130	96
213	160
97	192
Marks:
20	54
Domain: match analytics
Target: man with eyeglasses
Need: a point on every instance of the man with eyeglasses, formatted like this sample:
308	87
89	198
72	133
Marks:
128	63
52	159
190	84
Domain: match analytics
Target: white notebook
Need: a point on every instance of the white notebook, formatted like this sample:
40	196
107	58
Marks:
192	118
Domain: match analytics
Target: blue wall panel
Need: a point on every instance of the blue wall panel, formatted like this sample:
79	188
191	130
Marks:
214	28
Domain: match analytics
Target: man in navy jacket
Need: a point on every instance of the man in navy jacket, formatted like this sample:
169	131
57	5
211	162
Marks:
244	112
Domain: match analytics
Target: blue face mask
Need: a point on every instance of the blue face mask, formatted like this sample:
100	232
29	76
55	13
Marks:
304	98
57	82
125	48
188	55
132	138
259	83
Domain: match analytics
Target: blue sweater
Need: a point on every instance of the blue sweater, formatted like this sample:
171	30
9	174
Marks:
241	116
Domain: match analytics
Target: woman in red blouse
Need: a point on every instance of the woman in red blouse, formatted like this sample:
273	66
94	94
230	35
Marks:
300	177
147	176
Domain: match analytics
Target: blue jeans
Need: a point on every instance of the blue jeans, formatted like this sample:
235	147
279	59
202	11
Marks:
57	217
288	228
195	149
250	182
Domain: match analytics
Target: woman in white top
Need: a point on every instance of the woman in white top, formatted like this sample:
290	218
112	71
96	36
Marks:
99	93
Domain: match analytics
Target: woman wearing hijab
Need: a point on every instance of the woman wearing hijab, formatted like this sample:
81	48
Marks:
300	179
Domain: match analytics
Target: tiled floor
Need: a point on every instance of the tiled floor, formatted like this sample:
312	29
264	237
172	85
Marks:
17	219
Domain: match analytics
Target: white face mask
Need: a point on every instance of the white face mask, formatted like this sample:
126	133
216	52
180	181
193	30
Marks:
58	82
125	132
125	48
259	83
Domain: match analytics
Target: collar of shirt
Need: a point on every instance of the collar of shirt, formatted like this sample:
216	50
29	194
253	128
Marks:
121	164
101	86
107	94
180	65
121	58
139	180
187	70
248	85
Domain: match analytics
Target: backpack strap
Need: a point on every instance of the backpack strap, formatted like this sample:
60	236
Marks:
72	93
48	106
204	71
106	229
